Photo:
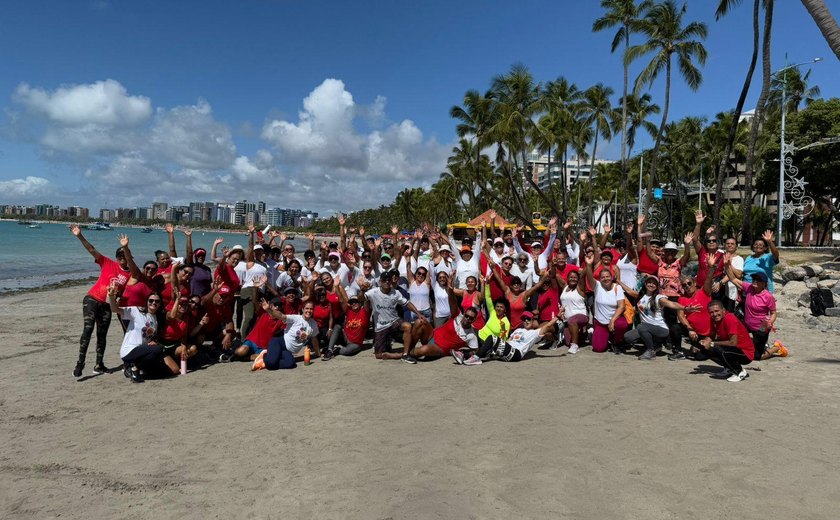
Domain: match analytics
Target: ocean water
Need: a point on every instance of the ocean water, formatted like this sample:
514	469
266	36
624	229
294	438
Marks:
37	257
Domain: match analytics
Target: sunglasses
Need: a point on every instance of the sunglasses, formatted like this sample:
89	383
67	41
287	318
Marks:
527	319
498	245
687	284
468	317
507	264
420	274
156	302
523	259
711	240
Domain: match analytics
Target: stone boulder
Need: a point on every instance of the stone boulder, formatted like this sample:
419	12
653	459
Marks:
833	312
778	279
813	269
827	284
793	292
836	290
797	273
831	266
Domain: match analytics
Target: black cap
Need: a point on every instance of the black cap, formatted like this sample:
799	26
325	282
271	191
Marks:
333	245
309	253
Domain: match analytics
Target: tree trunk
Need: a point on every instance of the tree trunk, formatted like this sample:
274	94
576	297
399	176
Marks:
592	172
624	126
746	202
725	162
826	23
653	160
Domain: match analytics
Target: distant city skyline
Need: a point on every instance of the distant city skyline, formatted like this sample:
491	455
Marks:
133	102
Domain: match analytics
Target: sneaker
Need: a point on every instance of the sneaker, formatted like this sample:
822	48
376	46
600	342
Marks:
734	378
100	368
723	373
458	355
407	358
676	356
327	355
648	355
473	360
134	375
225	356
259	363
77	372
573	348
783	350
615	348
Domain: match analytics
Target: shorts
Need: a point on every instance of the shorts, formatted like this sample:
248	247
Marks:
382	338
251	345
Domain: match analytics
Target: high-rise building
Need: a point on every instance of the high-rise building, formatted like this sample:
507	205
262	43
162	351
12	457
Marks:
159	210
272	217
106	215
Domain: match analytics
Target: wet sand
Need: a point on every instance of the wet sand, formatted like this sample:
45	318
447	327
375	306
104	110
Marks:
589	436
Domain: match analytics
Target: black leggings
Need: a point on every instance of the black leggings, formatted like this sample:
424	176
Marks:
674	327
507	353
732	358
277	357
96	314
146	357
760	342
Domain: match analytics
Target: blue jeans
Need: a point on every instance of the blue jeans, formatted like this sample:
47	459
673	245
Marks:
277	357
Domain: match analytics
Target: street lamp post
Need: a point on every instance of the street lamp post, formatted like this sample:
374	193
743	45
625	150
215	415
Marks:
784	148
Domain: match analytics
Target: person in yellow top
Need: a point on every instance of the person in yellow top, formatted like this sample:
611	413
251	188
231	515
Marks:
497	323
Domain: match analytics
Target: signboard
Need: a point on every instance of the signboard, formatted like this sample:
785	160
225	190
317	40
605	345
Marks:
657	193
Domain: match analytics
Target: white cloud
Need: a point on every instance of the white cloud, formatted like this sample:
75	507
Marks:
101	103
26	188
337	155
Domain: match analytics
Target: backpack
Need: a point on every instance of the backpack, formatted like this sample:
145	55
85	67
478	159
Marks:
821	299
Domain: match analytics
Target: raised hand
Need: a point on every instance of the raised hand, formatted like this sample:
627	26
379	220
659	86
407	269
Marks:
275	233
711	260
283	236
607	229
264	305
251	228
727	258
640	219
187	232
76	230
518	229
377	242
342	219
629	228
361	231
590	258
583	236
169	228
395	231
324	245
218	241
592	231
352	230
260	282
553	221
767	235
568	224
492	214
699	217
710	230
689	237
123	240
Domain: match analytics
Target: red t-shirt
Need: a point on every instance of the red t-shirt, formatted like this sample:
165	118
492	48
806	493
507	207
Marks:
219	316
136	295
265	329
110	270
729	325
474	300
356	325
321	314
293	307
564	273
335	305
700	321
228	277
174	330
646	264
548	303
702	267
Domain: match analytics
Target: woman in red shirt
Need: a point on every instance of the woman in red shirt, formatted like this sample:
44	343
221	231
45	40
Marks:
351	335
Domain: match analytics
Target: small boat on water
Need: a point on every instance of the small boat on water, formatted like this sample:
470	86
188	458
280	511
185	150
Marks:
100	226
147	230
34	226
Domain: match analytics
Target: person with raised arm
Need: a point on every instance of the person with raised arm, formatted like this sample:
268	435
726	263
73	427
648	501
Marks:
249	295
608	307
573	312
711	245
471	296
759	313
765	256
347	338
138	350
736	262
498	323
543	254
96	311
517	296
696	325
285	350
670	271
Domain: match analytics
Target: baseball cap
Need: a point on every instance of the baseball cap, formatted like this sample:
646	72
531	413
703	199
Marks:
759	277
237	246
334	255
536	244
498	241
333	245
258	247
290	290
386	275
200	251
466	249
353	299
607	252
385	256
527	314
446	248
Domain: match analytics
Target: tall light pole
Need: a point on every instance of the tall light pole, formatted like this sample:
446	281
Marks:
780	203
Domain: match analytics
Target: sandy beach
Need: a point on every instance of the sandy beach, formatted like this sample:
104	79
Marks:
556	436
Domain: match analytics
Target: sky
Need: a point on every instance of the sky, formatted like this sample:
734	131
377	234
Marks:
312	104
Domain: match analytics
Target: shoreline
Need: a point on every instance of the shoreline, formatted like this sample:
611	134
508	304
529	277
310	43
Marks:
70	282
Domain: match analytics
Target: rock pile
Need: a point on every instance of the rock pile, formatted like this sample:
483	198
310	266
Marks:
793	292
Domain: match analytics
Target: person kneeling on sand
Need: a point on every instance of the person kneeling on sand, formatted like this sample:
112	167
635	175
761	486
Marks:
729	345
284	351
517	345
138	350
455	334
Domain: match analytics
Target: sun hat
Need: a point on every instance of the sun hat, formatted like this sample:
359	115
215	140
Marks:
671	245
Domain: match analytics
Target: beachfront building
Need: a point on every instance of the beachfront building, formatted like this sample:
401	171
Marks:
159	210
545	174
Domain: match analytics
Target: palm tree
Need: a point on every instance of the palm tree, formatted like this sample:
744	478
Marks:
639	109
746	203
723	170
796	90
598	111
627	14
476	118
826	23
562	101
663	25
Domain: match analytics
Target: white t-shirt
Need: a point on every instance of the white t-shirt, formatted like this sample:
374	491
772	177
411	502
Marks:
253	274
523	339
141	328
647	315
283	280
442	266
606	302
299	332
737	262
419	295
527	275
464	269
628	272
441	301
240	269
384	306
573	250
573	303
347	276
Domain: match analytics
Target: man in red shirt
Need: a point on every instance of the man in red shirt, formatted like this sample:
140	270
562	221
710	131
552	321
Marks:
96	310
729	344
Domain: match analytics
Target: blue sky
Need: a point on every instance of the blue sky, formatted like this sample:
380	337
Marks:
328	105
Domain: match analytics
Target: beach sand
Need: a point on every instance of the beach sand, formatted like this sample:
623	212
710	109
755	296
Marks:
556	436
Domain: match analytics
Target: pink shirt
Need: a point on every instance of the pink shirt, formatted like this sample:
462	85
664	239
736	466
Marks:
757	307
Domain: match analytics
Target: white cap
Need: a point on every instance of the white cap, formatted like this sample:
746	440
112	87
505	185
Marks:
498	241
536	244
258	247
237	246
671	245
445	247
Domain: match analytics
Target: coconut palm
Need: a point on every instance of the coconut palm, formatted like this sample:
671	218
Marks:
639	109
475	118
796	90
663	25
562	101
826	23
627	15
723	169
597	110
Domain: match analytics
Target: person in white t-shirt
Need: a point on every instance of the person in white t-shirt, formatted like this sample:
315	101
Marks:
609	322
518	343
282	352
736	262
138	350
653	330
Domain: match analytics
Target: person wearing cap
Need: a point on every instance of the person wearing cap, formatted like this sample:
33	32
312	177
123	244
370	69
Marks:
517	345
670	270
348	338
541	254
219	326
729	344
450	337
759	313
467	264
96	311
202	277
266	327
385	264
652	329
710	245
497	251
443	261
736	262
385	301
517	296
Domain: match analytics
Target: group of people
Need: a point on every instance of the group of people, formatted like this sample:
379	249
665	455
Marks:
492	296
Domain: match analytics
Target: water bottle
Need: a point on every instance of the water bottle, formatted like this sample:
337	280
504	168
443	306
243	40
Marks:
183	362
307	356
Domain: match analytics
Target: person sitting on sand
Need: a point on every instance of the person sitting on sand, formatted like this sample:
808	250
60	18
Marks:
96	311
573	312
729	344
385	301
284	351
517	345
608	308
265	328
455	334
348	338
696	325
174	335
